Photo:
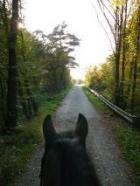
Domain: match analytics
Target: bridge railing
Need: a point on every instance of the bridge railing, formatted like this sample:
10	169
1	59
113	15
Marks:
127	116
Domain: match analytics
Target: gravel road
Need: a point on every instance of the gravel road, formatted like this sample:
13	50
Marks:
102	148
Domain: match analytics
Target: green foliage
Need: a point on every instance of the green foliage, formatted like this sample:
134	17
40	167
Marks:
16	148
42	66
129	140
43	63
101	78
118	78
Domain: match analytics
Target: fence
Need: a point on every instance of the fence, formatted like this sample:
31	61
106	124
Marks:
127	116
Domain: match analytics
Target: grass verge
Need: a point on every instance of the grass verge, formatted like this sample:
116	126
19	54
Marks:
129	142
127	137
97	103
17	148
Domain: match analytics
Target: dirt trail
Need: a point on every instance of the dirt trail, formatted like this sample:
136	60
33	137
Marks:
112	170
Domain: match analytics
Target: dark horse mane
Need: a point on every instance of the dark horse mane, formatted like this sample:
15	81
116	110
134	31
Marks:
65	161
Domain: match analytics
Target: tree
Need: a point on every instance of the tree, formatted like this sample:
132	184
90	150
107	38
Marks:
100	78
136	59
117	14
58	60
4	22
12	68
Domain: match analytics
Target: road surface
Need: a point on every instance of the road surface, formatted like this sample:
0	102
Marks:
102	148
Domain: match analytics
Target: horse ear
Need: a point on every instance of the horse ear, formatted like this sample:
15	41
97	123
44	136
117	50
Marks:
48	128
82	128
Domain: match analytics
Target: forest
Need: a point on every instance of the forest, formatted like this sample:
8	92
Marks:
30	64
118	78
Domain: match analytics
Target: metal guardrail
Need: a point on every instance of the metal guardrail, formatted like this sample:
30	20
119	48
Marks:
127	116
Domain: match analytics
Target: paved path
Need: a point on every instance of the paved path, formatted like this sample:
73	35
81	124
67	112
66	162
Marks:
112	170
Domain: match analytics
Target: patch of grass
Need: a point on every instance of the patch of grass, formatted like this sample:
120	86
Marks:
17	148
94	99
129	140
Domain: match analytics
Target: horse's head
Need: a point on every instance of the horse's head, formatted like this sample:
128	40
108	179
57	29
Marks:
65	161
51	136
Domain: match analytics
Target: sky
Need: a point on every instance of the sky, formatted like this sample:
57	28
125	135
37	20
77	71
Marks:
82	21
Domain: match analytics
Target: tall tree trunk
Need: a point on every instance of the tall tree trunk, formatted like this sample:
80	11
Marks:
123	101
118	43
137	58
117	81
12	70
